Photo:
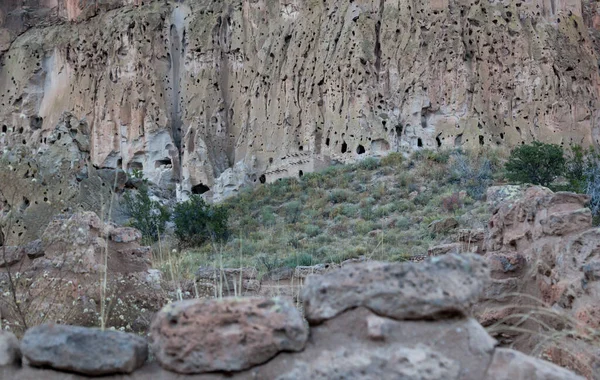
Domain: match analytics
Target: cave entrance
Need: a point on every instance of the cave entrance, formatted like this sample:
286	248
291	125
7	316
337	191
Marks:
200	189
160	163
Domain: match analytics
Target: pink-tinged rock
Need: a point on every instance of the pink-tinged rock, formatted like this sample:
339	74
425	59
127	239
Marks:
441	286
231	334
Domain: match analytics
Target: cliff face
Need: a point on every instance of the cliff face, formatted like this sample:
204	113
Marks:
214	94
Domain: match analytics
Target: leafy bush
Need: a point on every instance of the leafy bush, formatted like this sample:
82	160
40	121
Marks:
196	221
536	163
578	167
146	215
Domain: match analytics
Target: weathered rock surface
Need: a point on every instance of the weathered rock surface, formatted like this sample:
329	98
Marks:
10	352
217	95
199	336
445	285
59	277
513	365
393	361
84	350
543	254
10	256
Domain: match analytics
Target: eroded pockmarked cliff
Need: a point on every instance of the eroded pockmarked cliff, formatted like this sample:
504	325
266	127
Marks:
215	94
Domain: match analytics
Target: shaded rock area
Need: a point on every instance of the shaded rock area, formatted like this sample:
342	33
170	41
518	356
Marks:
83	350
266	338
542	254
59	276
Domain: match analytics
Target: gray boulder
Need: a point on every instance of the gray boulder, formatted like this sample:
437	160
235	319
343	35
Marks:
83	350
443	286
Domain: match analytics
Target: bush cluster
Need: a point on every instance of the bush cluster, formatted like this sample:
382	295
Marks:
147	215
197	222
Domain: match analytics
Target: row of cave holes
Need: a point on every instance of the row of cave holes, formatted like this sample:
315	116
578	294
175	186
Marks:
359	149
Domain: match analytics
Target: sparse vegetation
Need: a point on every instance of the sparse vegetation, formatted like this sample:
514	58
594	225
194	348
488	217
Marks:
374	208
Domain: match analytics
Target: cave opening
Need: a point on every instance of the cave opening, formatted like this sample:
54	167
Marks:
360	149
344	147
200	189
165	162
262	179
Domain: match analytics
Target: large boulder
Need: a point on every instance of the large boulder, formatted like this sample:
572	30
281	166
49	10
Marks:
445	285
87	351
230	334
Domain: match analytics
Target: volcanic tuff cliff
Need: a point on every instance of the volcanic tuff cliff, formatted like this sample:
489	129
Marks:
216	94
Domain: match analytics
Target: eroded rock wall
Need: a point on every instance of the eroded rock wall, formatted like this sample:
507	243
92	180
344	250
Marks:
190	91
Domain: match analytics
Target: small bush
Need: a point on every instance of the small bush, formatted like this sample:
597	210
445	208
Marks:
292	211
300	260
339	196
196	221
536	163
392	159
474	173
369	163
146	215
452	203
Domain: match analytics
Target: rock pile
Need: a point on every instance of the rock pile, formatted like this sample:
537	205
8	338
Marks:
58	277
544	256
366	320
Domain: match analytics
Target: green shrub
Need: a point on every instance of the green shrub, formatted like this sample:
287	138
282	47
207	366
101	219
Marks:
292	211
536	163
299	260
145	214
369	163
196	221
339	196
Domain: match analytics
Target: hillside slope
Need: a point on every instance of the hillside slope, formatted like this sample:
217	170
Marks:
379	209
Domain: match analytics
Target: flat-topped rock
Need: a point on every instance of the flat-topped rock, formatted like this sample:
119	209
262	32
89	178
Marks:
87	351
445	285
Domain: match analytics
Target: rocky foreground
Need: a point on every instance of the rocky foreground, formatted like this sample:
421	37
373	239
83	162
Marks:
367	320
